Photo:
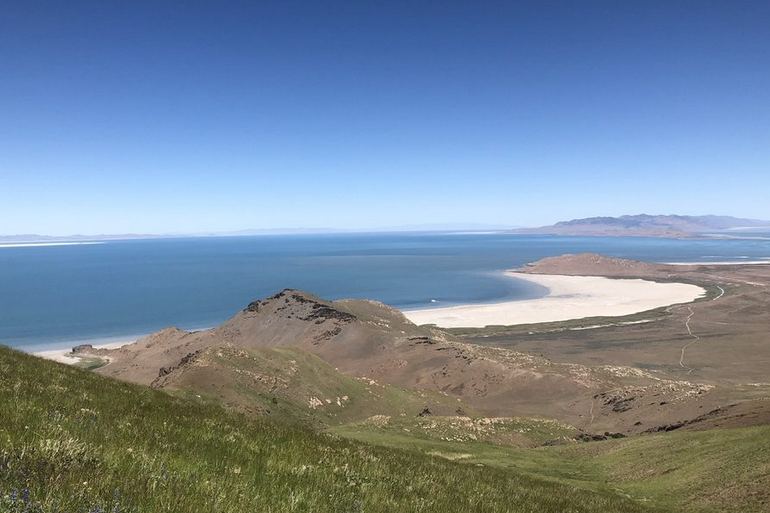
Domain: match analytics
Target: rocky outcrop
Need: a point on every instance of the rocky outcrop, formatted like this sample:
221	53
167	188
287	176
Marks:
163	372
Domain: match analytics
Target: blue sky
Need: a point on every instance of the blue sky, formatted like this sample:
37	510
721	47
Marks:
195	116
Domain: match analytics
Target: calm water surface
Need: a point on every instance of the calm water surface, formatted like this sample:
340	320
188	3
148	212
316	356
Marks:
51	296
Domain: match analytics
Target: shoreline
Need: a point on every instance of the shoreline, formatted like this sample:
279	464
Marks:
569	298
66	356
63	354
64	345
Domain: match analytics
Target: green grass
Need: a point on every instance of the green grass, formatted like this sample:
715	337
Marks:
725	470
72	441
720	470
90	362
504	431
537	463
297	386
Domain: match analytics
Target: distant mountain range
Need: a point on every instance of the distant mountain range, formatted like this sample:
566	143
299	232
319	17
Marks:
645	225
641	225
429	227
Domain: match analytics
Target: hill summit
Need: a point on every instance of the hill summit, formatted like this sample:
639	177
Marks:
309	355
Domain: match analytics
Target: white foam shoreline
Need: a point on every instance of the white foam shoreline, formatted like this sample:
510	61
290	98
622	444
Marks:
569	297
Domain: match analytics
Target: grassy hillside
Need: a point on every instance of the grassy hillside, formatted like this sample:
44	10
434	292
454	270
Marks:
504	431
72	441
726	470
719	470
296	386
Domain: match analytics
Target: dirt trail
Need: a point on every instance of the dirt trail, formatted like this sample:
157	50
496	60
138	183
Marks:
695	339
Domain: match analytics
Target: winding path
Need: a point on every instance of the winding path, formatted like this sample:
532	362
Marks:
695	339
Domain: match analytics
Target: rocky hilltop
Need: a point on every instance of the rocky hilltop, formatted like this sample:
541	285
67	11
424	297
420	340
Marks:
316	353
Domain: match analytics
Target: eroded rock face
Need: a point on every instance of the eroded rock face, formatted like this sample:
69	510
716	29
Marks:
165	371
301	305
89	350
320	313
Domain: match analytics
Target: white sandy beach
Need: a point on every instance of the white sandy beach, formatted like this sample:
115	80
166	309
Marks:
569	297
64	355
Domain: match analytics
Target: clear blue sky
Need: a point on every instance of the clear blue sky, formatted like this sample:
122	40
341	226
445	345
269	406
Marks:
196	116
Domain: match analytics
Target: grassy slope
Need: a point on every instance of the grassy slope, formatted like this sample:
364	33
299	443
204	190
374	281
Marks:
297	386
79	442
727	470
721	470
536	463
505	431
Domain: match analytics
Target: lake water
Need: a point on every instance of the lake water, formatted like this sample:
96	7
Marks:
53	296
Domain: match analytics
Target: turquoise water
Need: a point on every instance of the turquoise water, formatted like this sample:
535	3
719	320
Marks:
51	296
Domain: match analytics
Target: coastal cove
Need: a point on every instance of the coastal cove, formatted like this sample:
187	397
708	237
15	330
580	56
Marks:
58	296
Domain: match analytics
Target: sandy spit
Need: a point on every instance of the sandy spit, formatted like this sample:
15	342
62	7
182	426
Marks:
569	297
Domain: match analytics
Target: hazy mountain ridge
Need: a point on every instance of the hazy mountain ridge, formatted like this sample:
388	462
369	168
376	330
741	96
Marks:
627	225
647	225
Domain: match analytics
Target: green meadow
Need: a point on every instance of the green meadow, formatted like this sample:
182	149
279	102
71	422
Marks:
73	441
